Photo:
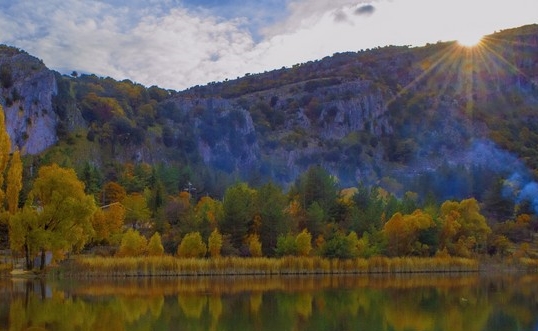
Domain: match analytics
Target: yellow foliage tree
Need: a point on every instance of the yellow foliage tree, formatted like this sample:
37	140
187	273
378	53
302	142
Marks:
254	245
155	246
215	243
304	243
137	211
208	211
192	246
464	229
5	150
108	223
14	182
61	210
402	232
132	244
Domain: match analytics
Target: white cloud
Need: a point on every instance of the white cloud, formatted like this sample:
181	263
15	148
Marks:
163	43
174	50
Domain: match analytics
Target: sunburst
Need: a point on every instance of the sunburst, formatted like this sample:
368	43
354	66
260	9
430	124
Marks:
470	40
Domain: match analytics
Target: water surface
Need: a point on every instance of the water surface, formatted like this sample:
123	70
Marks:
376	303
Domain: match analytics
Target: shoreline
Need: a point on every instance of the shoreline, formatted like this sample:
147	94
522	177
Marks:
169	266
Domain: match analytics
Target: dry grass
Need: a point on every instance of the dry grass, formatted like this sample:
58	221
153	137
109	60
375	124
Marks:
173	266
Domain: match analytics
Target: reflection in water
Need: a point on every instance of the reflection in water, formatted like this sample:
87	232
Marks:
406	303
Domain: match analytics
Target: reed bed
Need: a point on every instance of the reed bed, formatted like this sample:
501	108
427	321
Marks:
167	266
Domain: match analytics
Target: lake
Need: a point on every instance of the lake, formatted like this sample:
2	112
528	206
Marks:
393	303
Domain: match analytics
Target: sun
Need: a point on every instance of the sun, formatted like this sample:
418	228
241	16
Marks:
470	39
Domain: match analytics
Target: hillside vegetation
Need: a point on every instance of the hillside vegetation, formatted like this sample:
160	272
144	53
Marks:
349	145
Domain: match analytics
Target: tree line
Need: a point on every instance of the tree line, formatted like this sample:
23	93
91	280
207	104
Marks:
62	213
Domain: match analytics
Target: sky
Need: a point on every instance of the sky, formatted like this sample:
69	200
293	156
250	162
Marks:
176	44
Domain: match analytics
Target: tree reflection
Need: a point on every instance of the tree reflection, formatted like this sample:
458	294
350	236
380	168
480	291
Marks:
331	303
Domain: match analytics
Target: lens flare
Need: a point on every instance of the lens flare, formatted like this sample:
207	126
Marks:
470	39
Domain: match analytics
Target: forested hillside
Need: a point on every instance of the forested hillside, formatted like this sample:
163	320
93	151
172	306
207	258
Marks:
405	127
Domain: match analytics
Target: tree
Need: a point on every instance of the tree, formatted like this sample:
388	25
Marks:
254	245
239	208
14	182
271	207
132	244
304	243
368	209
463	227
208	214
286	245
192	246
215	243
136	209
108	223
24	234
61	209
92	178
113	192
155	246
5	150
317	185
403	233
340	246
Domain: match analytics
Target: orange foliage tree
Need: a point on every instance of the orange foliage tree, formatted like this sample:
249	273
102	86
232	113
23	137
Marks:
403	231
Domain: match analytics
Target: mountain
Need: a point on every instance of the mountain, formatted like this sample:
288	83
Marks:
442	120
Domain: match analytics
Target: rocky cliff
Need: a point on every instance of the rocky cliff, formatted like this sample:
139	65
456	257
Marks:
28	88
430	118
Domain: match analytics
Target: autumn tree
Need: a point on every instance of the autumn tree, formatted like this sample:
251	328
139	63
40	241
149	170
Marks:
108	223
14	182
208	213
192	245
463	227
254	245
304	243
24	234
180	212
155	246
214	243
403	233
58	211
5	150
112	192
136	209
132	244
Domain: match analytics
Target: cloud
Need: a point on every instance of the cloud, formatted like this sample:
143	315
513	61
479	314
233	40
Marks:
180	43
305	13
365	10
173	48
340	16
